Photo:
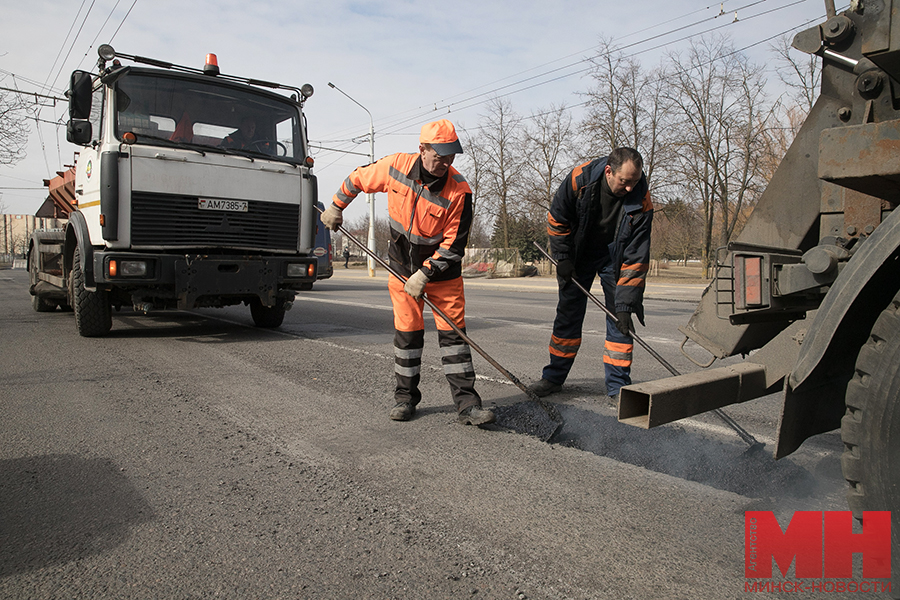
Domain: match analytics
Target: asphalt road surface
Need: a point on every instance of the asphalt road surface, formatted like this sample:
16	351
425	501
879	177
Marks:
191	455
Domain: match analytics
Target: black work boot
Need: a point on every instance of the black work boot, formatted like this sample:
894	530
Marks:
544	387
475	415
403	411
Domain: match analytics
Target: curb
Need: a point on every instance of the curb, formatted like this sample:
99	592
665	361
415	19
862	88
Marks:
675	292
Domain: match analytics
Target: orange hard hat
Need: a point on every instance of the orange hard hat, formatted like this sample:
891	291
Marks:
442	137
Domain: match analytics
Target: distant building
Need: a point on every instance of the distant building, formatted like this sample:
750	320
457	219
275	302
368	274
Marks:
53	213
15	232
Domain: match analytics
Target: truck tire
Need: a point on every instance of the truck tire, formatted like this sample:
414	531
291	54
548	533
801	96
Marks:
267	316
870	429
38	303
93	313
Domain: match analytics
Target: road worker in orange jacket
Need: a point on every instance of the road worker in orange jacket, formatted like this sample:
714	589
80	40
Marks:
430	208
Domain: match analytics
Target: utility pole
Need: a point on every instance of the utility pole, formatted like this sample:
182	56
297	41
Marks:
370	198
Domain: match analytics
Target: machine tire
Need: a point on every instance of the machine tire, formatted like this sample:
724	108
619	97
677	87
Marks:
93	312
267	316
870	429
38	303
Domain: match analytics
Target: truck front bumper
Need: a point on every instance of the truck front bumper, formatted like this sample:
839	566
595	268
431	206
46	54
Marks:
204	280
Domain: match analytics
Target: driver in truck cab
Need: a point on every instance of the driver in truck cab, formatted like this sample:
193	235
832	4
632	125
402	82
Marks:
243	137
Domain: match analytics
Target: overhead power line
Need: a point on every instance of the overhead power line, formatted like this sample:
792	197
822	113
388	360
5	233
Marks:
63	45
492	93
402	120
74	41
593	48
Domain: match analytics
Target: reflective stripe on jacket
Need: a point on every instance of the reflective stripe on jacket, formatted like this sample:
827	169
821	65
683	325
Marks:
429	225
572	206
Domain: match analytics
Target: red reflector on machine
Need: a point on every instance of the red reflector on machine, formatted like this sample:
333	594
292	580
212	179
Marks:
753	280
748	282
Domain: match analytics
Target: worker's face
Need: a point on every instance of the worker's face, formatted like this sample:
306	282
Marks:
433	162
623	181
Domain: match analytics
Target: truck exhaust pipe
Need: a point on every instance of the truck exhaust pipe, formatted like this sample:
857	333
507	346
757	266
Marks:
653	403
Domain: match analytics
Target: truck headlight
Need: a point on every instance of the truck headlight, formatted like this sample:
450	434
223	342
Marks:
128	268
296	270
134	268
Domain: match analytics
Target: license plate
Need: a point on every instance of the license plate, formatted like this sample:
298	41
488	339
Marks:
226	205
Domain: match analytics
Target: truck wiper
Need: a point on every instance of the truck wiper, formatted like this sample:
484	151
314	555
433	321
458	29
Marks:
182	145
232	151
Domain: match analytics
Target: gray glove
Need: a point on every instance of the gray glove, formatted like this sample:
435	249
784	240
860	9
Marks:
333	217
415	285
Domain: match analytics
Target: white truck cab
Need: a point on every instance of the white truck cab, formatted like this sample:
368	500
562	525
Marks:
193	189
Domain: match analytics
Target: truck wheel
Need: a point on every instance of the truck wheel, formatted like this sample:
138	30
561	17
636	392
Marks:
267	316
37	303
870	428
93	313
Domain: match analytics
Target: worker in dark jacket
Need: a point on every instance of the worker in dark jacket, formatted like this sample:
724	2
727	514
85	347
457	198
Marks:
599	224
430	208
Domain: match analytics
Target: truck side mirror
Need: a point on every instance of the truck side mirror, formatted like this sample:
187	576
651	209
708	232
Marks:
79	95
79	132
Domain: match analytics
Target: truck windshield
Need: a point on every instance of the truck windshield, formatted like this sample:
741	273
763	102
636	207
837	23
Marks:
207	115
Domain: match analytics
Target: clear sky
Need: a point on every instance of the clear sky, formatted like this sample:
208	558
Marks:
406	61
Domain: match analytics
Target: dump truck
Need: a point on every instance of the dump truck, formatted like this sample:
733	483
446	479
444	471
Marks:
192	188
809	292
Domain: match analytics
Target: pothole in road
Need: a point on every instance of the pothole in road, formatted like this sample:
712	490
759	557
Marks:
674	450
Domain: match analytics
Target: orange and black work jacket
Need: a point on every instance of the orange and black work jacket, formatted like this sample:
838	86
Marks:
577	204
429	224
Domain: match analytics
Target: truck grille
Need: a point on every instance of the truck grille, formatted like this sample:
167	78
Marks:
162	220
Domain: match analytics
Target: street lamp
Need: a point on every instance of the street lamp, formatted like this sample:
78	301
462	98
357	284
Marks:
370	198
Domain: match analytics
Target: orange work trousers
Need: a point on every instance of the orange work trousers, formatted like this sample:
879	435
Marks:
409	340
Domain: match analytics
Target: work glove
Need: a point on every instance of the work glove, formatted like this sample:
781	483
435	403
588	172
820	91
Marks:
625	325
333	217
415	285
565	269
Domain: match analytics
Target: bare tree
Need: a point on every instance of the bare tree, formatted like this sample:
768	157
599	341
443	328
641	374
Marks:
549	146
723	121
502	156
613	116
473	169
800	72
627	106
676	231
13	127
802	76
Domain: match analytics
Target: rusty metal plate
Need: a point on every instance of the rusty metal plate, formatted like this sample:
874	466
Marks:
865	158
